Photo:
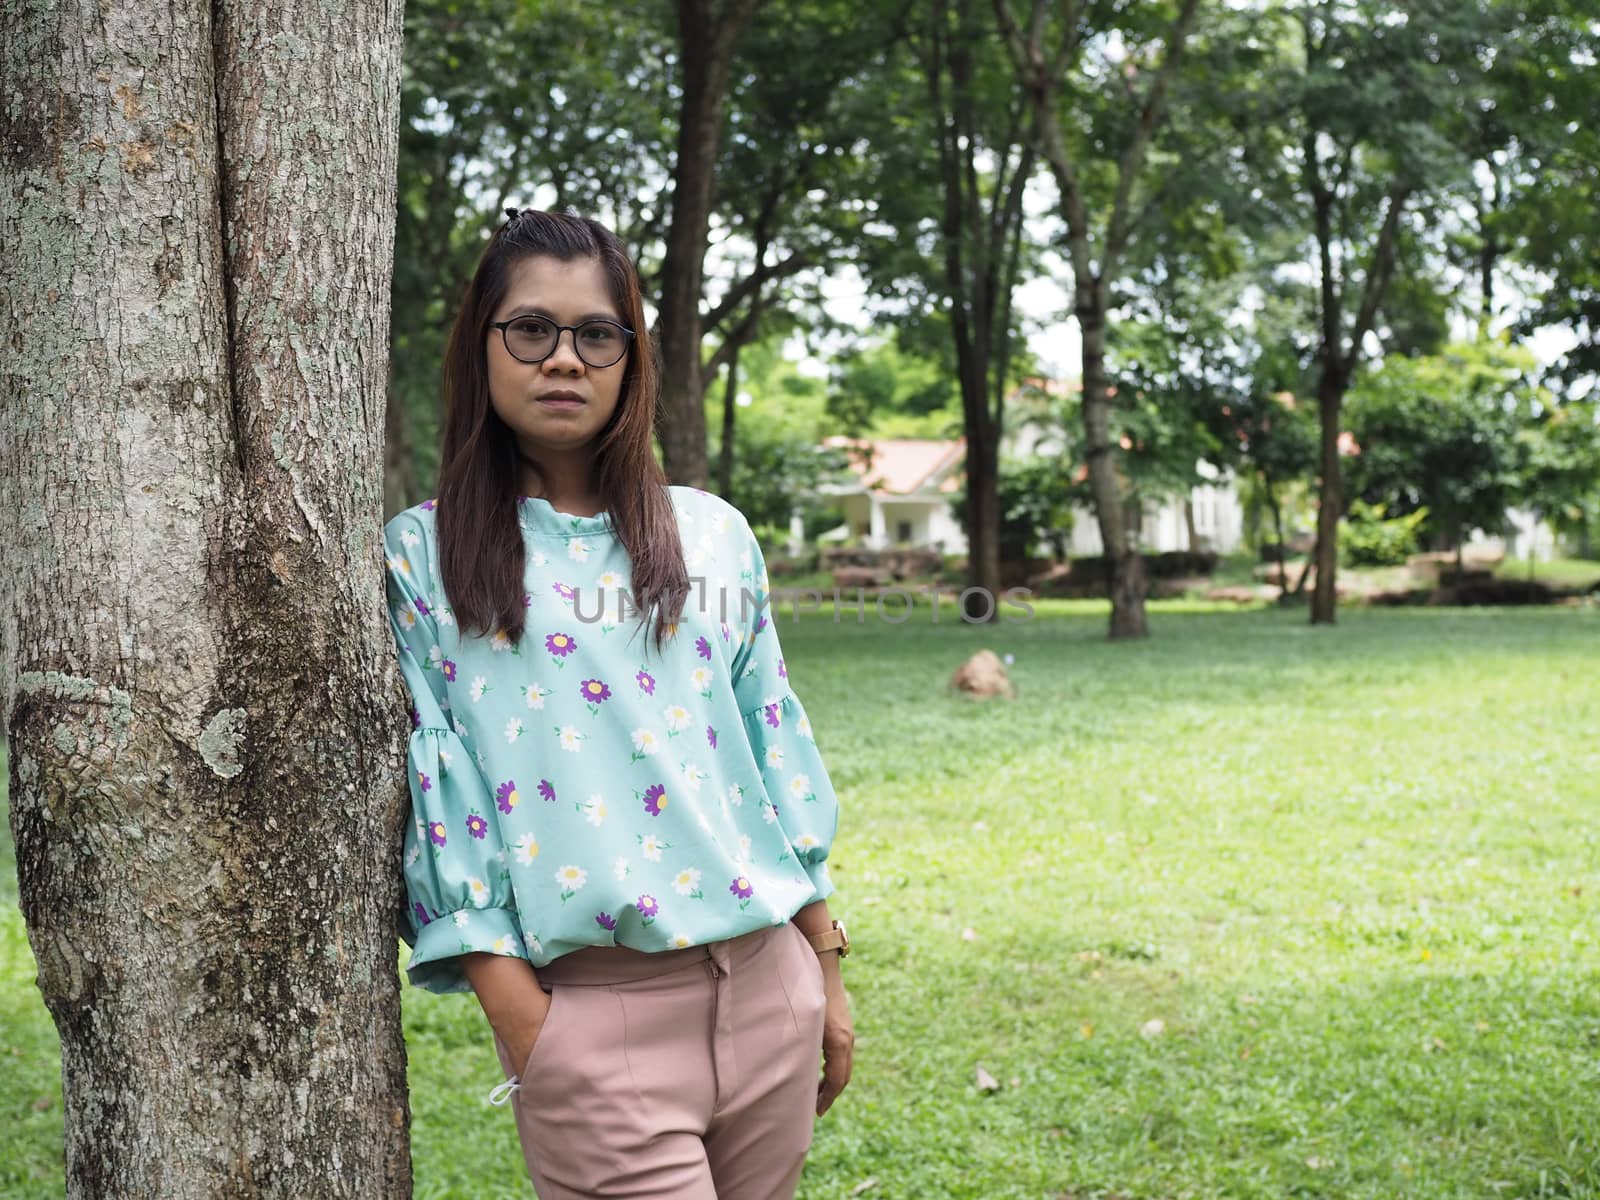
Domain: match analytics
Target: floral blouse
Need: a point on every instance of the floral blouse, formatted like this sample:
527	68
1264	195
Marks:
577	787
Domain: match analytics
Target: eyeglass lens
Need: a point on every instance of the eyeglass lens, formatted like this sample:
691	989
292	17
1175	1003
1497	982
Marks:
599	343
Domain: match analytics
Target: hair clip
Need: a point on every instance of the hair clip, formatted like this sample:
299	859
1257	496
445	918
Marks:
513	213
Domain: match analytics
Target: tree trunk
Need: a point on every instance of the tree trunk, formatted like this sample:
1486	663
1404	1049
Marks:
1188	524
1125	582
1330	498
205	722
707	33
1277	526
730	400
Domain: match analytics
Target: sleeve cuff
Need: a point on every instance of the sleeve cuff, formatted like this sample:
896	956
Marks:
434	965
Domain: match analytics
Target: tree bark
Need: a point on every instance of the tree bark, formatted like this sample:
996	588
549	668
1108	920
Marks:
707	33
197	232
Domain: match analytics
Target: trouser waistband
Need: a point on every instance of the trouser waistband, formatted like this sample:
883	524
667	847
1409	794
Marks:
622	964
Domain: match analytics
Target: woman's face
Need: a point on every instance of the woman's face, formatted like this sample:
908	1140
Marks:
559	405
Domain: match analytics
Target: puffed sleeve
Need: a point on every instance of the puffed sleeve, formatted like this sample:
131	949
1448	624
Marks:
779	732
457	886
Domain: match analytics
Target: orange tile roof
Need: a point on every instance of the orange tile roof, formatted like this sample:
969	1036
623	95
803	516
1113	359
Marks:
900	466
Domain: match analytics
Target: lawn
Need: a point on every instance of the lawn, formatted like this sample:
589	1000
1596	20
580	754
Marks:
1354	873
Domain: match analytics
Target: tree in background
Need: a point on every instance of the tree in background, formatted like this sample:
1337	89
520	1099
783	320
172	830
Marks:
1045	59
197	672
1442	433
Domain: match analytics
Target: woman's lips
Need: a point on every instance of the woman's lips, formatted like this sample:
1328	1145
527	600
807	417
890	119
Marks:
562	400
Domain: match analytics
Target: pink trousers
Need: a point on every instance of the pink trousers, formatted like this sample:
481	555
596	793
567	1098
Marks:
679	1075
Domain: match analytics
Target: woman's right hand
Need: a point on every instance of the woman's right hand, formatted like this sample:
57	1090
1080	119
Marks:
521	1037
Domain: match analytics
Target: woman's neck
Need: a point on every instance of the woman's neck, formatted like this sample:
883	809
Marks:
566	486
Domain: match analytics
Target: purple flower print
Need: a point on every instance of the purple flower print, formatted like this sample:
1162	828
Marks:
646	907
506	795
422	914
477	826
655	799
761	623
563	590
422	607
702	647
424	781
527	599
647	683
429	504
449	669
547	789
594	691
772	715
606	920
559	644
783	672
416	718
726	634
741	888
436	832
711	736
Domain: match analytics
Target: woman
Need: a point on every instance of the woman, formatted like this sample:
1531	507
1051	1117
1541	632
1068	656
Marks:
621	820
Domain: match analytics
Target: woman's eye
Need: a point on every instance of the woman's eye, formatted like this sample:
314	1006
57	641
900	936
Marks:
532	326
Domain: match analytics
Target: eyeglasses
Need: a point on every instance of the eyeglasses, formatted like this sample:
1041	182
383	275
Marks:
600	343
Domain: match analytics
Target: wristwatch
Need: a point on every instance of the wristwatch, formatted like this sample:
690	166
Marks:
834	939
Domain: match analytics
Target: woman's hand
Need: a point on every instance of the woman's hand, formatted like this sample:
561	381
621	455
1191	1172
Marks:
838	1035
521	1035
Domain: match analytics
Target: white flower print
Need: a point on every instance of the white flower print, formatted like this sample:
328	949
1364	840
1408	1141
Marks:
769	814
459	916
499	641
621	868
538	559
645	741
803	726
398	563
800	787
806	841
444	616
435	655
413	854
407	615
774	757
578	550
409	539
693	776
570	737
680	941
482	766
736	794
594	809
480	685
700	677
461	727
571	878
609	580
687	881
446	758
651	847
502	945
479	891
535	695
535	946
746	562
513	729
527	849
677	717
744	848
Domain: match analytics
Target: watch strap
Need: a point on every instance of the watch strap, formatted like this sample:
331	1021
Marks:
832	939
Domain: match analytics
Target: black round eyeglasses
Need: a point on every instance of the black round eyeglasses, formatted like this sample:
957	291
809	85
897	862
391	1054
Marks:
600	343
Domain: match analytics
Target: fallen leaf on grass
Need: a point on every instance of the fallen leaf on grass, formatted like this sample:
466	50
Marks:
870	1182
1154	1027
987	1082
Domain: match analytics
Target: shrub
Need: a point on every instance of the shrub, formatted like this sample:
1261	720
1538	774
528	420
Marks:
1367	538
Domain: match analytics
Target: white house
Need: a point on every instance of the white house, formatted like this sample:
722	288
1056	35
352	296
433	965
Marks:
900	495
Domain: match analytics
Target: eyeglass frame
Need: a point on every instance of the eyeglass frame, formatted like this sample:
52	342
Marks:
627	341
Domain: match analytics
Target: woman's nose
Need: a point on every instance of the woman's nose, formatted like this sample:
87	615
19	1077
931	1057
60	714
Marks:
561	357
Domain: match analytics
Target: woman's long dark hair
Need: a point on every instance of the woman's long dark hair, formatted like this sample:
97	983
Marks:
481	559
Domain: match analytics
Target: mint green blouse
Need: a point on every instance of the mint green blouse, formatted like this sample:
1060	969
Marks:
578	788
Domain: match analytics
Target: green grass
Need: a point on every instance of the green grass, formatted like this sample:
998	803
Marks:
1353	870
1558	572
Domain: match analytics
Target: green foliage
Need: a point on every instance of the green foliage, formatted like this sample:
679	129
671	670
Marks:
1036	499
1368	537
1441	433
878	382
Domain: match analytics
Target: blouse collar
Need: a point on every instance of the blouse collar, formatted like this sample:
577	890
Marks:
538	515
